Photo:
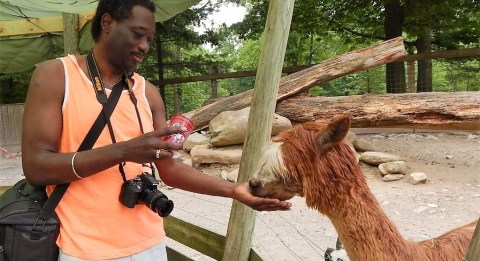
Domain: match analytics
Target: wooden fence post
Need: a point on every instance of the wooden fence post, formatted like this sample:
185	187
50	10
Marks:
473	253
259	127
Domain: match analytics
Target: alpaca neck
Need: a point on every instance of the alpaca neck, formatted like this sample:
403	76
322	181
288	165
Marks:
364	228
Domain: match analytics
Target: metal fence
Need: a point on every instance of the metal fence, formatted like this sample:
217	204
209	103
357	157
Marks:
451	71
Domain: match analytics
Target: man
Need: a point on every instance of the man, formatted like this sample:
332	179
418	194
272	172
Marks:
61	107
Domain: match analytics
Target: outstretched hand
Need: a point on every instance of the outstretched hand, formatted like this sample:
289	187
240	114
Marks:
243	194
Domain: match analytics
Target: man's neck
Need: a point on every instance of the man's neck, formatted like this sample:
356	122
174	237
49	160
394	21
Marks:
108	72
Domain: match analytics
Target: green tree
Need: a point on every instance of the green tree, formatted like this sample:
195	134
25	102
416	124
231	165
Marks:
427	25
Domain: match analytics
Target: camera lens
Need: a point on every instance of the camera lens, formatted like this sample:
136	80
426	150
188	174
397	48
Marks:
158	202
163	206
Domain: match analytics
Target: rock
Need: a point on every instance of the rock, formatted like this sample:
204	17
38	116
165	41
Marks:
472	137
376	158
394	167
392	177
195	139
351	136
205	153
188	162
417	178
362	145
420	209
232	176
230	127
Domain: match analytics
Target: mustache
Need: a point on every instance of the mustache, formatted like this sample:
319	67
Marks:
140	54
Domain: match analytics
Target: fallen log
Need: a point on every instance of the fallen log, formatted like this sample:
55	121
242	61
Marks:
295	83
450	111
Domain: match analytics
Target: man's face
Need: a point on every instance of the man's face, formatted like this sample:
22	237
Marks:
130	38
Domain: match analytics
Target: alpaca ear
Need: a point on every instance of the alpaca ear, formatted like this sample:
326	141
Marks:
333	134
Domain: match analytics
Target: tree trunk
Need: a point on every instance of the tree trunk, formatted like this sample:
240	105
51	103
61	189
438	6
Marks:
459	110
424	45
295	83
393	26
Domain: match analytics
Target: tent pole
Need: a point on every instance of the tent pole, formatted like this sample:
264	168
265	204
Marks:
70	33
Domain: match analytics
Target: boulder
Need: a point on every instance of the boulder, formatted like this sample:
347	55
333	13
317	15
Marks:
376	158
195	139
230	127
417	178
394	167
205	153
362	145
392	177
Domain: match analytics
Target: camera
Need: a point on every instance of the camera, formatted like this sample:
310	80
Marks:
143	189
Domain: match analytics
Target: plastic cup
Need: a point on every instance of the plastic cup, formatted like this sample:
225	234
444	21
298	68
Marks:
182	121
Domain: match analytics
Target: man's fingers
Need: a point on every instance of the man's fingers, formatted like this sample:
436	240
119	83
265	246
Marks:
272	205
173	146
171	130
162	154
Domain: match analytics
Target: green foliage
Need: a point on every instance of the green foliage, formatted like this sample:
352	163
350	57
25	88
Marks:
14	87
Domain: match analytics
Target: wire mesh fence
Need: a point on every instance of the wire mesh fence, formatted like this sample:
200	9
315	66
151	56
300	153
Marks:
436	75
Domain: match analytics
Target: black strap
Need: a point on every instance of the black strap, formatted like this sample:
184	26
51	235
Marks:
87	143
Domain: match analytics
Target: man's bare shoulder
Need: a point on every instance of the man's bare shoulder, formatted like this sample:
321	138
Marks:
49	75
53	65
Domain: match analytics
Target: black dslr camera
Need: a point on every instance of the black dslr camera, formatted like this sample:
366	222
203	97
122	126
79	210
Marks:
143	189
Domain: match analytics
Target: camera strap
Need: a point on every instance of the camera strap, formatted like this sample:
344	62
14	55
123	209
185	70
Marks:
87	143
101	96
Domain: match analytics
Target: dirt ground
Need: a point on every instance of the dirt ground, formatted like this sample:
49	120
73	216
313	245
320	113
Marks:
450	198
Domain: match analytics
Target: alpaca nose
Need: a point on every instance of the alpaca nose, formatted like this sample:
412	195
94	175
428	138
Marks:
254	183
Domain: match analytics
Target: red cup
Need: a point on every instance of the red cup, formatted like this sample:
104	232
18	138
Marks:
182	121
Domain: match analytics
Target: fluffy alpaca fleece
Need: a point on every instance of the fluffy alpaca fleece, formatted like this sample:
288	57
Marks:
311	160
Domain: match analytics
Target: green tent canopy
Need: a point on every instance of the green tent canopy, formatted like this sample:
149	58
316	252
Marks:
31	30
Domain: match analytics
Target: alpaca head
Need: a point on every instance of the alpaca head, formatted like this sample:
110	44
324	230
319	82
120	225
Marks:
308	160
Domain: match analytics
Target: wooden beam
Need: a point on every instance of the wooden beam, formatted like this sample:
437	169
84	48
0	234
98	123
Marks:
30	26
200	239
259	126
473	253
448	54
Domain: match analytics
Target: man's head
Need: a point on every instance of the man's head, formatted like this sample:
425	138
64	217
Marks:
123	30
118	9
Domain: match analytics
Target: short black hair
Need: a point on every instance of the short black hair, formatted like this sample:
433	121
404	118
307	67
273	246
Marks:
118	9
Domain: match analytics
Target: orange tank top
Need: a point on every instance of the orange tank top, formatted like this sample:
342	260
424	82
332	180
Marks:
94	223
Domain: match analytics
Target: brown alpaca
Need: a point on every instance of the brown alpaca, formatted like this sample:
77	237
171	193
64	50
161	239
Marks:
312	161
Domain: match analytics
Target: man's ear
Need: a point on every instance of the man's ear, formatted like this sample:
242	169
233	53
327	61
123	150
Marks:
332	134
106	22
